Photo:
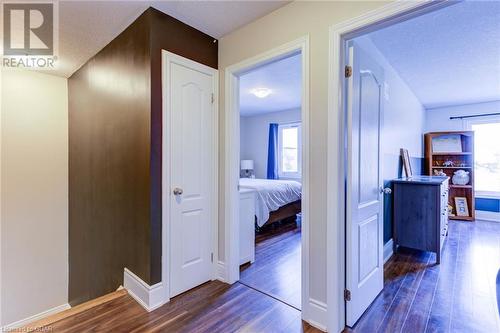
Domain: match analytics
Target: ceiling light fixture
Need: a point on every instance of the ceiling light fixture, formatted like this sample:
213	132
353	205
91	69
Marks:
261	92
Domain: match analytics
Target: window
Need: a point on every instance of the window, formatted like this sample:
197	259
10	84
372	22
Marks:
487	155
289	150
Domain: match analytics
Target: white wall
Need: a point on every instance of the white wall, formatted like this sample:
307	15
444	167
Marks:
438	119
254	136
288	23
404	115
34	194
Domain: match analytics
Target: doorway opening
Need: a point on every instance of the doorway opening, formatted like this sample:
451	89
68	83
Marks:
266	205
270	179
387	106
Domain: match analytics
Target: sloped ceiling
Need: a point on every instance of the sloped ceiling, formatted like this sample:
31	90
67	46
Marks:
447	57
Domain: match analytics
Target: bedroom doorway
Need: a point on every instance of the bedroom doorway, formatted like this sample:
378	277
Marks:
351	73
267	174
270	179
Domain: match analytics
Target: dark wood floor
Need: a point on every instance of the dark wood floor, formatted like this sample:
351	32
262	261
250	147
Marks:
277	267
212	307
457	296
419	296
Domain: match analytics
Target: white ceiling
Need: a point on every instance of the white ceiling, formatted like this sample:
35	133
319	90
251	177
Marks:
283	77
85	27
447	57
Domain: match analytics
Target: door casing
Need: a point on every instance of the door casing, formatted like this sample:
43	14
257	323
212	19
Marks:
167	59
229	268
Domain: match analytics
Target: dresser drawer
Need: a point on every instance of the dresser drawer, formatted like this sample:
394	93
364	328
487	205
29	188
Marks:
444	210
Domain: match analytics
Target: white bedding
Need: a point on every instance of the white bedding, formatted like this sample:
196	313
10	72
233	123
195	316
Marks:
271	194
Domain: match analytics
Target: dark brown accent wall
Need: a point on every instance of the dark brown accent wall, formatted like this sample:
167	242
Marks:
115	154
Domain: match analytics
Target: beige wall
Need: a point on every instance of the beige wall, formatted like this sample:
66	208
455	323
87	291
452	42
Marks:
279	27
34	194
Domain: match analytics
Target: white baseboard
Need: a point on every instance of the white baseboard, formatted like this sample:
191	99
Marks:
31	319
487	216
221	271
149	297
388	250
317	314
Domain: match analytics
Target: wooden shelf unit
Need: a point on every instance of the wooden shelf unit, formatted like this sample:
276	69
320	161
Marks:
463	160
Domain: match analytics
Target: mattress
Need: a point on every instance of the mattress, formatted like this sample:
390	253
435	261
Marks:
271	194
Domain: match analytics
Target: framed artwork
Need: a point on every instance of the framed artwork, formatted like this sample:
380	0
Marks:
461	206
451	143
405	156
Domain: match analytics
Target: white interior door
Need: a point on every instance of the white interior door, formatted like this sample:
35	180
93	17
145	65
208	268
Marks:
365	271
191	113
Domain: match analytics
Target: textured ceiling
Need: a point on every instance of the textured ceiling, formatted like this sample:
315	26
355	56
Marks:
85	27
283	77
447	57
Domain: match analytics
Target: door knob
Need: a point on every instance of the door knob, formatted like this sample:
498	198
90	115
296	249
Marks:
385	190
177	191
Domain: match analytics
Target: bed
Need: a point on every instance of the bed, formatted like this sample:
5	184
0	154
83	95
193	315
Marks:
275	199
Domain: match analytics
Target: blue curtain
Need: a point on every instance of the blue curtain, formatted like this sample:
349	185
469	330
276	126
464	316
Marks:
272	153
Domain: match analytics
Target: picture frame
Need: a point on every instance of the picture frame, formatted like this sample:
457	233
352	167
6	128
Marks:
461	207
405	156
449	143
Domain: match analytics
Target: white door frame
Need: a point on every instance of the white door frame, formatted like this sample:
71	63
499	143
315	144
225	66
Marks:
337	114
232	159
167	59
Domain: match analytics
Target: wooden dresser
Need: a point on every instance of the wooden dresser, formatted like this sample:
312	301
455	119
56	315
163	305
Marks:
421	213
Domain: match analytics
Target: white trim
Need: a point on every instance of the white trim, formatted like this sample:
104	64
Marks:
232	152
26	321
388	250
338	34
221	271
1	214
231	163
149	297
167	58
487	216
318	314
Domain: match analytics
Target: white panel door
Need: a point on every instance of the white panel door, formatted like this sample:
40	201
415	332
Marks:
191	174
365	271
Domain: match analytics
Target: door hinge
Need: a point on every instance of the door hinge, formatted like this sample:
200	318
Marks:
212	257
213	98
348	71
347	295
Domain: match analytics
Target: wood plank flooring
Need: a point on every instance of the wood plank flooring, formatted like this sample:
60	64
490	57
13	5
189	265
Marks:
212	307
277	267
457	296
